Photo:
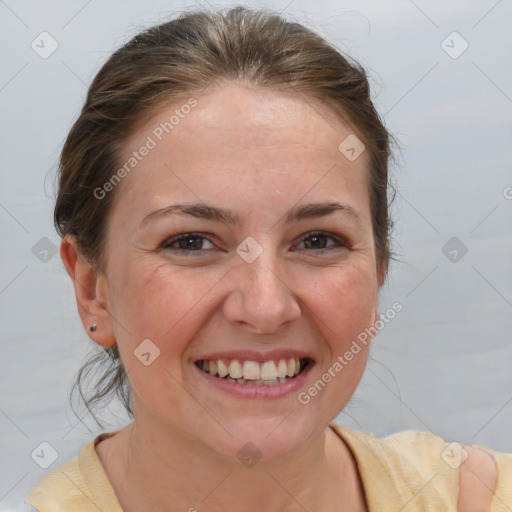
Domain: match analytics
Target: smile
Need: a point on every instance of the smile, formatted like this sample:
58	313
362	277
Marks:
254	373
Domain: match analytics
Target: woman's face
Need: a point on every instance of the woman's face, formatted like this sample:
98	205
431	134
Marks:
253	273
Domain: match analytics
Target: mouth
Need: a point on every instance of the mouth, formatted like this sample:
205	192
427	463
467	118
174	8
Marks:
255	373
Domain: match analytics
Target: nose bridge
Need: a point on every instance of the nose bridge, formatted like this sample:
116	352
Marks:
261	265
264	276
263	298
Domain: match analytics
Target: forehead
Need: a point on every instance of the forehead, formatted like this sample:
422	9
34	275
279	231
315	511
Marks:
232	138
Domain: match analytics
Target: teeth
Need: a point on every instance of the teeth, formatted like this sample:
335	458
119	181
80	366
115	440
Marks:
235	369
253	372
222	368
290	370
281	369
258	382
268	370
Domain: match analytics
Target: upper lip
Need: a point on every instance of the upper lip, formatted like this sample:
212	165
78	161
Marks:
253	355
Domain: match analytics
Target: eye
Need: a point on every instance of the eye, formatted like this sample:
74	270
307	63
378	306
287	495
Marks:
319	241
195	242
191	242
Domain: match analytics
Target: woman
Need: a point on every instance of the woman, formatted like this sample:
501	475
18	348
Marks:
223	205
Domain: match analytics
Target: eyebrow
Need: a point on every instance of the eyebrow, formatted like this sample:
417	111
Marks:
214	213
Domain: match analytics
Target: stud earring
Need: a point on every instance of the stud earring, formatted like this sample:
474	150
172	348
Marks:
92	327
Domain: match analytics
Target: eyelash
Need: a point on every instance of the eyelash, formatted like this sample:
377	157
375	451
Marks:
340	243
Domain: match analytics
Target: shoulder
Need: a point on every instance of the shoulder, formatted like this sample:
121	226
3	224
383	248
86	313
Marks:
64	488
478	478
467	476
61	489
408	446
406	469
477	468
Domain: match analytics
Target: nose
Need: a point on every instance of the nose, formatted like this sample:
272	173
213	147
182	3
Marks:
260	299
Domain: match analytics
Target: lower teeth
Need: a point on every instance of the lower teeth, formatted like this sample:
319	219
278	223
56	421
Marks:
272	382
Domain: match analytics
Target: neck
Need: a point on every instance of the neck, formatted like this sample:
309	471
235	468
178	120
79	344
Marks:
151	468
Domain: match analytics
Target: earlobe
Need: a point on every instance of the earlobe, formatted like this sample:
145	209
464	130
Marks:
381	273
90	292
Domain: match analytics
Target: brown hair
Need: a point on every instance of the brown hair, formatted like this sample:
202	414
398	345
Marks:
177	58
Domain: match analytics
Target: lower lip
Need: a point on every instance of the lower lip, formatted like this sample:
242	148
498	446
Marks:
260	392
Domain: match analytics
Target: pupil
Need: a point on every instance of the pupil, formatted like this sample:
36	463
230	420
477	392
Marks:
192	242
310	242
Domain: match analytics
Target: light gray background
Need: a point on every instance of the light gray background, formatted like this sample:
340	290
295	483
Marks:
443	364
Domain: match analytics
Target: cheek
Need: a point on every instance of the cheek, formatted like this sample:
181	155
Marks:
343	303
342	307
164	304
157	304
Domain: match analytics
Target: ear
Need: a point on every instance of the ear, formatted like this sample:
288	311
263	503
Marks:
381	275
381	272
90	292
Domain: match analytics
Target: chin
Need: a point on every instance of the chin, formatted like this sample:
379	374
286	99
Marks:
265	439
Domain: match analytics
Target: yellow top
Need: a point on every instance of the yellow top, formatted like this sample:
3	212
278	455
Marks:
409	468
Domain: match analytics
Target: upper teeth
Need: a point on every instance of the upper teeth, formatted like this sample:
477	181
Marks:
252	370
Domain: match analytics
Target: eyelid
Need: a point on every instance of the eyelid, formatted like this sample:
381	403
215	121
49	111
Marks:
166	244
339	242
